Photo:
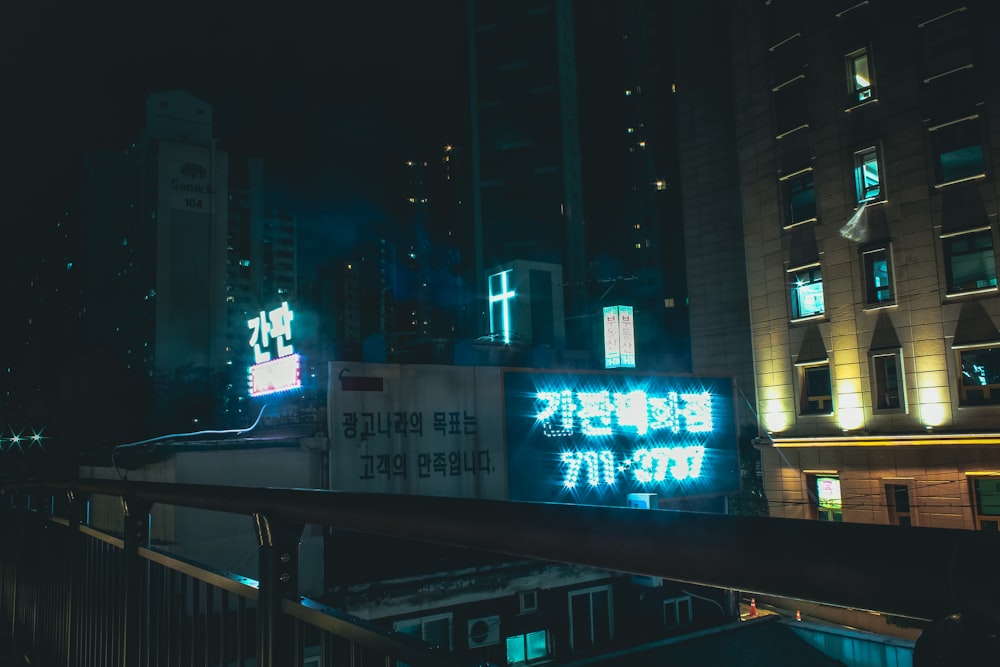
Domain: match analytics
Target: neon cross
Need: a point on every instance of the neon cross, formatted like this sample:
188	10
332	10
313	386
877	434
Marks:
503	296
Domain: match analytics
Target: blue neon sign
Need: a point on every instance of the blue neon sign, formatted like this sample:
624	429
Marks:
596	437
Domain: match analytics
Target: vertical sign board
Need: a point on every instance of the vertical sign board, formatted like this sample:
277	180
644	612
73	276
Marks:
422	429
619	337
595	438
276	366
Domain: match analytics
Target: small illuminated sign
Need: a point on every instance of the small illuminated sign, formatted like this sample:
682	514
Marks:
500	296
619	337
271	333
271	377
828	492
595	438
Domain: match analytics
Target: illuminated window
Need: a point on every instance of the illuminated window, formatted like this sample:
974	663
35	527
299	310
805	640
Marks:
986	490
824	492
859	76
958	151
867	175
979	378
529	648
897	501
816	396
677	613
798	199
591	618
877	264
970	264
806	291
887	382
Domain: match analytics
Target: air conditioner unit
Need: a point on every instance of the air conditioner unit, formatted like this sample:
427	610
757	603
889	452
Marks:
484	631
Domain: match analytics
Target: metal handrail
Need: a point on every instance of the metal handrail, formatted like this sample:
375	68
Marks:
923	573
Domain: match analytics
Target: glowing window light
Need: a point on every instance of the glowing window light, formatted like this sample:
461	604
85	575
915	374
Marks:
828	492
500	296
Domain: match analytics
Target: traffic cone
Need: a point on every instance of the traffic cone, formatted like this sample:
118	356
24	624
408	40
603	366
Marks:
798	615
753	607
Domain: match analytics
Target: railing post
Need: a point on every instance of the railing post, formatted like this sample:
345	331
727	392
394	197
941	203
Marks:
77	513
279	577
136	534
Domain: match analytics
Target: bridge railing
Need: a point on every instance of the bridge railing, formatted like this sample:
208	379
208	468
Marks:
78	596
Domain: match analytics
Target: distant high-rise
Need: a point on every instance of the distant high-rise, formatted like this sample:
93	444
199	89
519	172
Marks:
181	253
572	109
526	159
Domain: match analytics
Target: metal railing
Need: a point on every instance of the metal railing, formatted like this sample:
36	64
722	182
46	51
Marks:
77	596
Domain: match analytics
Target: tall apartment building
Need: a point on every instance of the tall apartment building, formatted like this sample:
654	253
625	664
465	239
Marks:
181	253
866	139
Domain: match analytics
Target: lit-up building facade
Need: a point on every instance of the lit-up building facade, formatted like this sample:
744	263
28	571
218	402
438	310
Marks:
866	136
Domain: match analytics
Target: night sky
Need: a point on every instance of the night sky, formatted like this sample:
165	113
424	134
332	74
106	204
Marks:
333	96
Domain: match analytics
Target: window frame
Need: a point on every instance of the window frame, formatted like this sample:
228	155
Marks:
805	398
860	190
937	27
942	129
524	638
814	271
856	94
869	284
896	516
787	184
874	357
948	255
572	621
975	497
988	389
817	511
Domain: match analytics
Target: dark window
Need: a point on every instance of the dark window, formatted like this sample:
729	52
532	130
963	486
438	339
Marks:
947	47
887	384
590	618
969	262
958	151
867	175
878	276
987	493
817	390
790	107
799	197
859	77
806	290
980	376
897	498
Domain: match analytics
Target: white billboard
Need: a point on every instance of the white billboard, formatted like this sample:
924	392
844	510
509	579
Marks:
422	429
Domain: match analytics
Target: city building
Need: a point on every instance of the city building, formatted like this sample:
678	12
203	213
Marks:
865	135
574	163
180	254
527	185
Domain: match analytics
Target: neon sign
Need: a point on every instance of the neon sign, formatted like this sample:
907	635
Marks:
596	437
271	377
500	296
282	373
